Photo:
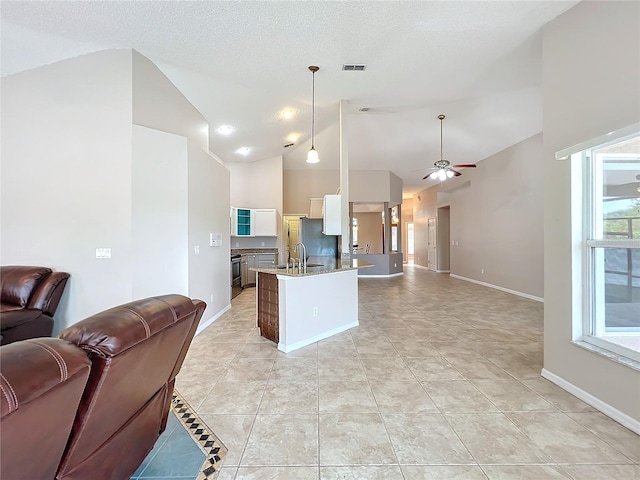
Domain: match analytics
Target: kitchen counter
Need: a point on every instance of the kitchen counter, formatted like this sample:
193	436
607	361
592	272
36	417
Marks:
240	251
296	309
331	266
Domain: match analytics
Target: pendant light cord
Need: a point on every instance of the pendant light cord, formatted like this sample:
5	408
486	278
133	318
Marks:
313	108
441	139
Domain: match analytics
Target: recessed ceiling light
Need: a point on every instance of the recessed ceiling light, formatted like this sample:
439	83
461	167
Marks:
293	137
243	151
287	113
225	130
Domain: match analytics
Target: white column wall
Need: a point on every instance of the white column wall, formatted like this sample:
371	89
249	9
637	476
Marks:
208	193
159	213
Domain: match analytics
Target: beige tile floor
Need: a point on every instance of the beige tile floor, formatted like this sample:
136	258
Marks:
441	380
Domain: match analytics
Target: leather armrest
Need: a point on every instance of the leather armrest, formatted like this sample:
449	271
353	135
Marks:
113	331
48	294
32	367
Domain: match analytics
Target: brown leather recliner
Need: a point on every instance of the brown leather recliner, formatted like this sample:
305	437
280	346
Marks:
41	383
136	351
29	297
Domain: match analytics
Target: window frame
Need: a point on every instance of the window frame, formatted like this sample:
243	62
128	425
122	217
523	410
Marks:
586	201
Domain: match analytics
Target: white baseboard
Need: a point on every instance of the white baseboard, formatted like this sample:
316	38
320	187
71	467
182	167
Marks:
382	276
443	271
513	292
208	322
303	343
612	412
418	266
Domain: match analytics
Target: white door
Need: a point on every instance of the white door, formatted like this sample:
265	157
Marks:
293	225
432	252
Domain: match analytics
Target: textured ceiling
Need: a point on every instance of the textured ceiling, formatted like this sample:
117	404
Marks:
242	62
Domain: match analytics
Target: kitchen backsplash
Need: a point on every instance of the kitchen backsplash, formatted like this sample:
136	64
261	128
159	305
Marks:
254	242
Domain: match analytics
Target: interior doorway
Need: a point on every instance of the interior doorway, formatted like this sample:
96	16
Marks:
432	247
291	229
443	240
410	242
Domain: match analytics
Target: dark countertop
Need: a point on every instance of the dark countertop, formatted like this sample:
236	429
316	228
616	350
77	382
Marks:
241	251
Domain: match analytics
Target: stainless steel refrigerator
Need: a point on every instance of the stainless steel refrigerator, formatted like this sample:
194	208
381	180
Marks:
320	248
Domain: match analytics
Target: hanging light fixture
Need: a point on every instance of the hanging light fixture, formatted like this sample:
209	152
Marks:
312	156
442	169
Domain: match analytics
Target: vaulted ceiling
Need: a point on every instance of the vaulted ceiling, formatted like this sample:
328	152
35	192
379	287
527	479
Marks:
243	63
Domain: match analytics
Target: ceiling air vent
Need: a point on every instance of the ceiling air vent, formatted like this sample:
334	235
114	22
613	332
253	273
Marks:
354	67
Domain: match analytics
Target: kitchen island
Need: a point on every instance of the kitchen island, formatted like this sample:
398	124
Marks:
296	308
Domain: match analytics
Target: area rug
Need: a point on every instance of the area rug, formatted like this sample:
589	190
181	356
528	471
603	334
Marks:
213	449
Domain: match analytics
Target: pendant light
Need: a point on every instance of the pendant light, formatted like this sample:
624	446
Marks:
312	156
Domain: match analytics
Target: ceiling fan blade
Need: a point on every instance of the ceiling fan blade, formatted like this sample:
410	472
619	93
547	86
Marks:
428	175
464	165
457	174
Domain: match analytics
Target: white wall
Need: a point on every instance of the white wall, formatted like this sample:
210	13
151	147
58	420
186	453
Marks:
425	205
158	104
159	213
495	218
371	186
78	174
301	185
590	87
258	185
209	272
369	231
66	177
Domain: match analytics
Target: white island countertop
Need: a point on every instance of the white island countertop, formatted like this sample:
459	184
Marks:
331	266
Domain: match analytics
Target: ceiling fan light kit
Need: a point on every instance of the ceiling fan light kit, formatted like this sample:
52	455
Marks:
442	169
312	156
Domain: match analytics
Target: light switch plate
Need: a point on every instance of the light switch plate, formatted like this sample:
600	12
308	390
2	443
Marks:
103	253
215	239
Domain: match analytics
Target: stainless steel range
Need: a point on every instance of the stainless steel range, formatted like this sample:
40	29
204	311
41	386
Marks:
236	286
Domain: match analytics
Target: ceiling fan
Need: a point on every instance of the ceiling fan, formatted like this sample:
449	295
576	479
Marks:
442	169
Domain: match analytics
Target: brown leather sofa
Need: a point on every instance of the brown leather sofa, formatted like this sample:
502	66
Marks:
136	350
29	297
42	382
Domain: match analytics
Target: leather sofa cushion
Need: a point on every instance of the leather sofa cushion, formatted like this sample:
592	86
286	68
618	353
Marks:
17	315
17	283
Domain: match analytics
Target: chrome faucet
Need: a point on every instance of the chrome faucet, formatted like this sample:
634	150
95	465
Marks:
302	256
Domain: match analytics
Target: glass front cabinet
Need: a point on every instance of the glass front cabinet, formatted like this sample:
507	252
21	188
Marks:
241	222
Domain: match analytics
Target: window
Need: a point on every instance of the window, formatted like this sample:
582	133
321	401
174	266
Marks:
611	244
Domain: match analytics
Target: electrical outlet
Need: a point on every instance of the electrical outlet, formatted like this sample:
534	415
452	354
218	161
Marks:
212	298
395	265
197	249
315	311
482	271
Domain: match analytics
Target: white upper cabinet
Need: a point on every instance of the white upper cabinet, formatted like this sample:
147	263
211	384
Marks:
265	222
332	215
